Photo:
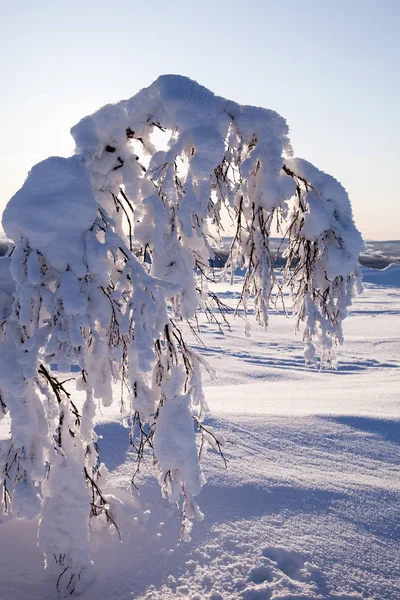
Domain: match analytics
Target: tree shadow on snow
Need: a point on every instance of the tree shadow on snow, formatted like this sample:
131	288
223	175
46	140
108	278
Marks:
251	501
389	429
292	359
156	536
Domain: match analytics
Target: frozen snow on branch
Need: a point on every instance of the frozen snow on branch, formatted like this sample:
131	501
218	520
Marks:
111	256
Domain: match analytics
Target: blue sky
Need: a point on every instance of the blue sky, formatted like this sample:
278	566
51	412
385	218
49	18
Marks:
331	68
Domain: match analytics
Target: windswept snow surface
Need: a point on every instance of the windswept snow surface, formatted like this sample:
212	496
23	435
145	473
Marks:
308	507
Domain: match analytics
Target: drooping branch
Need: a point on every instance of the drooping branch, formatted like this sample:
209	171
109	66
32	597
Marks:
109	269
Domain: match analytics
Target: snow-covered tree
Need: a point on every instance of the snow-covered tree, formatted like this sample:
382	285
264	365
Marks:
110	259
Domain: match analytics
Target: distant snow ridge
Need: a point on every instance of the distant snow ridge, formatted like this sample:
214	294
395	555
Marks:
387	277
111	253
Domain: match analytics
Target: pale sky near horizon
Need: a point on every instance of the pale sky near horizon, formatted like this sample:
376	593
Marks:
331	68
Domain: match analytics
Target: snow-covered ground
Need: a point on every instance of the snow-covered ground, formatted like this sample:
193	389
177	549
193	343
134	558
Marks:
309	506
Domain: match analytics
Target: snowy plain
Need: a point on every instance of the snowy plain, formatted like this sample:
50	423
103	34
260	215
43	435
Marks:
308	507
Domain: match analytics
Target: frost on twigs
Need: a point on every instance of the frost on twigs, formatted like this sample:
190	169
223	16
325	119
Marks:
111	257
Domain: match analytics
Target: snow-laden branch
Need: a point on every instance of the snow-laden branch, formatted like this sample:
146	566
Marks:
111	254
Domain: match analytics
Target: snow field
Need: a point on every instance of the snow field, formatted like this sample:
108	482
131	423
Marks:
308	507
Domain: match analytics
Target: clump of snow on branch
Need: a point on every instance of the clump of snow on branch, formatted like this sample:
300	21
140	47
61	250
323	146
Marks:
111	255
